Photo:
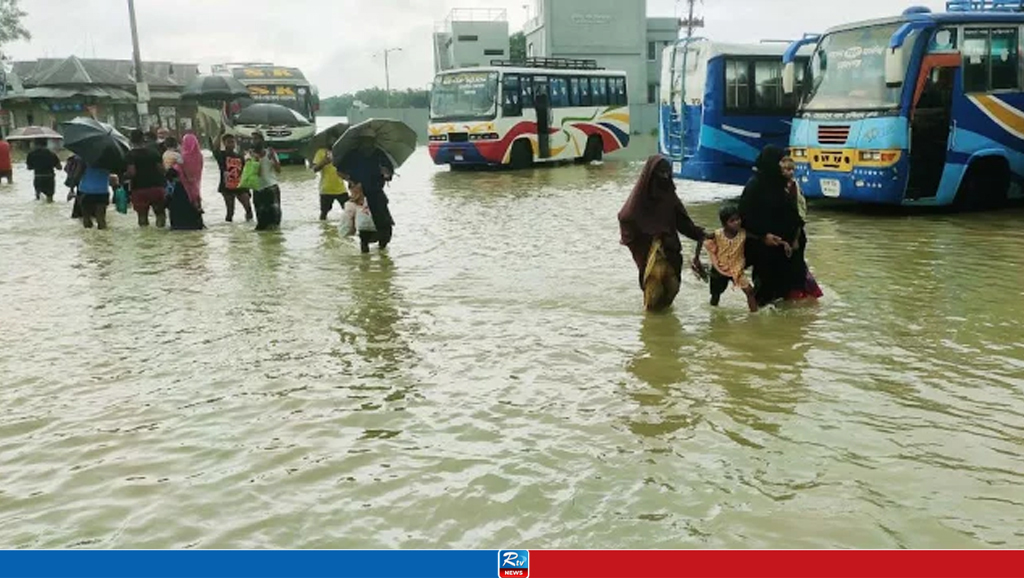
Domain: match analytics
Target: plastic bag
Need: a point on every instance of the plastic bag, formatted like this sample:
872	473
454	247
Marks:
347	227
121	200
364	221
250	175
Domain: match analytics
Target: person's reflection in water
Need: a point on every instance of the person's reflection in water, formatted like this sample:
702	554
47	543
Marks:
663	364
369	322
761	376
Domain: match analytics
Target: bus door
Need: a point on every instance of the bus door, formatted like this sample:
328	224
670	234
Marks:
542	105
931	123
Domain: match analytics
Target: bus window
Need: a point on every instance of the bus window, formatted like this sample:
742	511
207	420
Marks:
527	92
559	91
511	103
944	40
574	92
623	91
1003	57
737	84
975	53
768	84
599	89
585	92
616	91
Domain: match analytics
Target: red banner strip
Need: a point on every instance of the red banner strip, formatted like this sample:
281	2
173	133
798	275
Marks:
776	564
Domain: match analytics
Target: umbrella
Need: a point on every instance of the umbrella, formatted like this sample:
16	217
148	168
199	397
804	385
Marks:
34	132
325	138
98	143
394	137
214	87
267	114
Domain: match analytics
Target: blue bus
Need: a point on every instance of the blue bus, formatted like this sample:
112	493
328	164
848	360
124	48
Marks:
720	104
921	109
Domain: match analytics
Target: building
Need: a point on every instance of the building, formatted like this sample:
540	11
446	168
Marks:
471	37
615	33
49	91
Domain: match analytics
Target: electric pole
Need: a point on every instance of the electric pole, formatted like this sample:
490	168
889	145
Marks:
141	88
387	74
691	22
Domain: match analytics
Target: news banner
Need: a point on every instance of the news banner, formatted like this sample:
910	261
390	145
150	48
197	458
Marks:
510	564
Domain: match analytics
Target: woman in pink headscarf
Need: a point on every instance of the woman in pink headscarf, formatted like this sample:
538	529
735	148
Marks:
191	170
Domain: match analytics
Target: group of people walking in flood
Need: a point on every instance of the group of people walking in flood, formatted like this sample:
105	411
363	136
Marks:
765	231
162	178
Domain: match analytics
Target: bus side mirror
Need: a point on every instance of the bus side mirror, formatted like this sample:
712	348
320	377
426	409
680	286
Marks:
789	78
894	67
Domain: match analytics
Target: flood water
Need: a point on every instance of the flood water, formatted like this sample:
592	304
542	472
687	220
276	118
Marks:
493	381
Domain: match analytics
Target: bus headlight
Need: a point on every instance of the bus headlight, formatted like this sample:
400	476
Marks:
484	136
438	137
798	154
878	157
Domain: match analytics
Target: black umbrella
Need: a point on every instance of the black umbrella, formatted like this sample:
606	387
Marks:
394	137
214	87
266	114
98	143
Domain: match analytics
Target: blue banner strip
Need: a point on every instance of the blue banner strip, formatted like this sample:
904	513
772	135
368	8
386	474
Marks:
250	564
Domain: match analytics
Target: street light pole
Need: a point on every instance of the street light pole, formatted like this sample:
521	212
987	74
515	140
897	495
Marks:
142	90
387	75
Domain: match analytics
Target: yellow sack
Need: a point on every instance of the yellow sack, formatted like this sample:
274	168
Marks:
660	283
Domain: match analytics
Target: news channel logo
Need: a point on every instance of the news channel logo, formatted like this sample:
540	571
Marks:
513	563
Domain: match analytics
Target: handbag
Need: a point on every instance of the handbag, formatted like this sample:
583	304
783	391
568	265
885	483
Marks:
250	175
364	221
121	200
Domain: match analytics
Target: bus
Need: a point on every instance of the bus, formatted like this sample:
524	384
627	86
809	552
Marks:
921	109
515	114
720	104
279	85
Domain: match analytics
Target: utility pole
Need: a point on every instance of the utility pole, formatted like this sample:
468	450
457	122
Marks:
141	88
691	22
387	74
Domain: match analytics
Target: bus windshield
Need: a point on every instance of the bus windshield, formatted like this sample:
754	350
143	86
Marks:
464	96
297	98
847	71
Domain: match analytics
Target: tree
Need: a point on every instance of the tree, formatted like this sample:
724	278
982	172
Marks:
517	46
375	98
11	28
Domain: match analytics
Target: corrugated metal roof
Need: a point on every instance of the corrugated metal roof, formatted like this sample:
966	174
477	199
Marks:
106	72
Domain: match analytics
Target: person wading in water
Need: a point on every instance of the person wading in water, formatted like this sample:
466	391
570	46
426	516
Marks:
650	223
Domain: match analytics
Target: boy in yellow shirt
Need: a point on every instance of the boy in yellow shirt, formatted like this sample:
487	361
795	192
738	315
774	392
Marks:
332	188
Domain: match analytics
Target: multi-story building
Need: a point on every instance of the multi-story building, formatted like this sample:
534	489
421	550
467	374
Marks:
471	37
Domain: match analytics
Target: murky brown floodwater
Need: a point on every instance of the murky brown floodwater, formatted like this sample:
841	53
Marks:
493	381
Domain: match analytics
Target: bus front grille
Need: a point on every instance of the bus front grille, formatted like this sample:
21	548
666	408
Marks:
833	135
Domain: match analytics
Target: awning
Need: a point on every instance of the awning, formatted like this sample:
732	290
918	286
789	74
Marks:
54	93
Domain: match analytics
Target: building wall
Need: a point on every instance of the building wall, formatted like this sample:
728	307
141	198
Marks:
44	113
478	43
442	52
615	33
661	32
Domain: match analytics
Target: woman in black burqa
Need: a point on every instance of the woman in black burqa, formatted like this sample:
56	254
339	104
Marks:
768	211
370	167
652	218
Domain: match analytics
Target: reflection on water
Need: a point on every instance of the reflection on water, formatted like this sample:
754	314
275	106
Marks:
493	380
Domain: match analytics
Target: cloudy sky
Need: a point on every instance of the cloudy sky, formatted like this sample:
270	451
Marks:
335	42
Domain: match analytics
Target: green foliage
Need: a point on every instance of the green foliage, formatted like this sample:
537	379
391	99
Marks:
374	98
11	28
517	46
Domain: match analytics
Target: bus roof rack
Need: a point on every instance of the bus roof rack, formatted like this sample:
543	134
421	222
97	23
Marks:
984	5
559	63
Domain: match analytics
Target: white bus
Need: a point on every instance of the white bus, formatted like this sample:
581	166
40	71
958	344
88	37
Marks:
518	113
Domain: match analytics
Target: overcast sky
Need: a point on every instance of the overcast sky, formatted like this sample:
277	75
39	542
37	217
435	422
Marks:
335	41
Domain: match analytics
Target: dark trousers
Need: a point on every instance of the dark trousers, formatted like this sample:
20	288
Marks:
267	204
327	203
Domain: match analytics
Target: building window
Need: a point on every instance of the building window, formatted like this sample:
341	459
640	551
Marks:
737	84
652	51
468	38
494	52
652	93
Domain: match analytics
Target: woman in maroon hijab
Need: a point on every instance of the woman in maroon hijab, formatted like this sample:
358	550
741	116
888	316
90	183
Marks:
650	223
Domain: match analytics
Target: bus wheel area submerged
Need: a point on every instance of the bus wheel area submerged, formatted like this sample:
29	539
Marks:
985	184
